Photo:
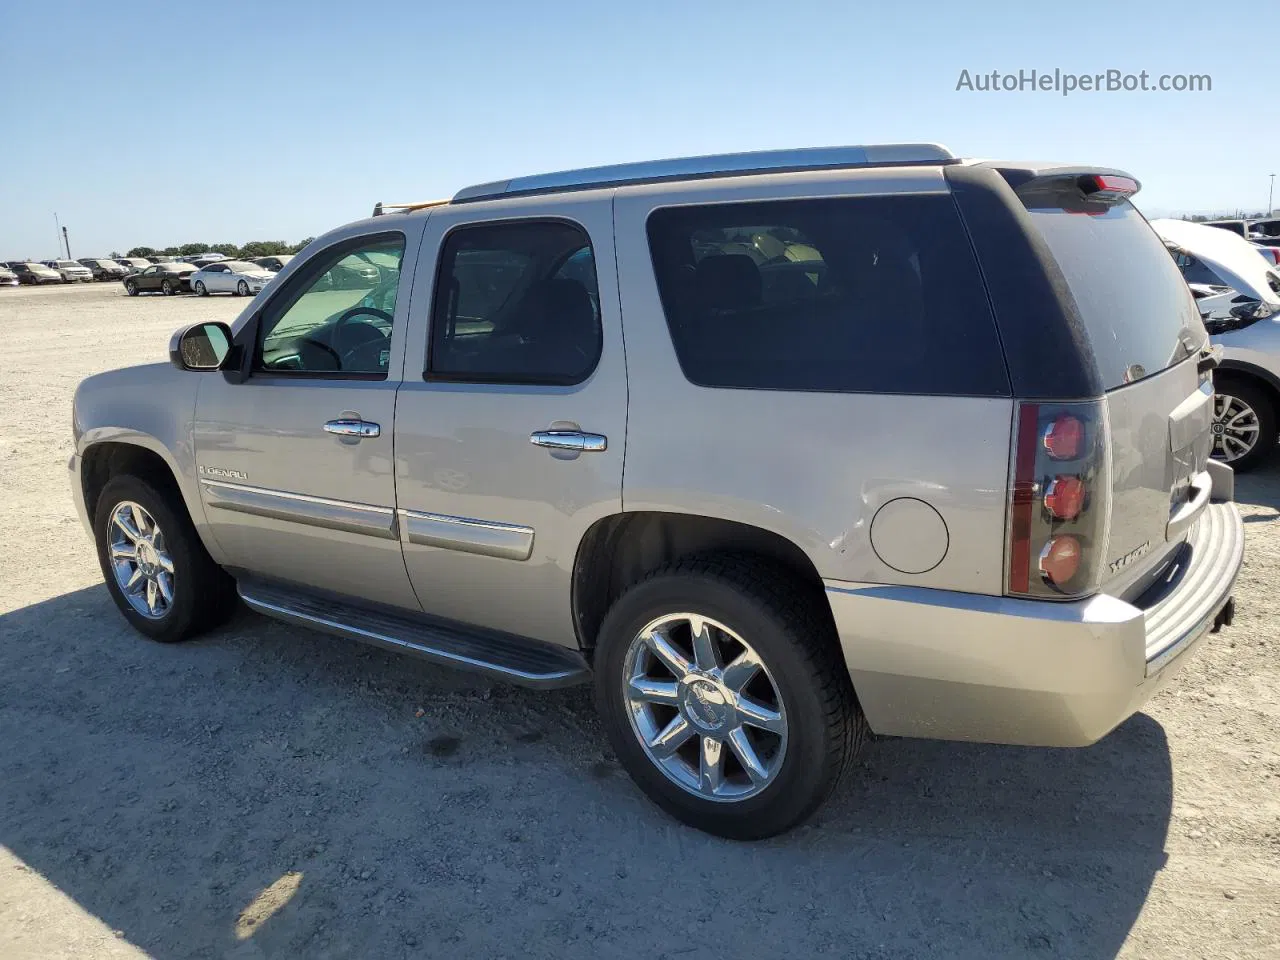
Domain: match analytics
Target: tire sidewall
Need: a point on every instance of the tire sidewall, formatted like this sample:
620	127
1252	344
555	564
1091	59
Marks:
786	799
178	535
131	289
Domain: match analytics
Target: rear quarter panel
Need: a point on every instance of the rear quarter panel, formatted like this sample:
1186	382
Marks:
812	467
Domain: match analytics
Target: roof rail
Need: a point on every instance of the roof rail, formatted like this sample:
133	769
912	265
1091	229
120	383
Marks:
381	208
714	165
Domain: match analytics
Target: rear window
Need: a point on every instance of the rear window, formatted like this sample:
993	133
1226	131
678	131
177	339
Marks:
849	295
1140	317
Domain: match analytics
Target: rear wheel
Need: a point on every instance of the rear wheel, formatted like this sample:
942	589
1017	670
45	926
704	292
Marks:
167	288
1244	424
157	570
721	688
131	288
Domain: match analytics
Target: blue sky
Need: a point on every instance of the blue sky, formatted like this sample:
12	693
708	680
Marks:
160	123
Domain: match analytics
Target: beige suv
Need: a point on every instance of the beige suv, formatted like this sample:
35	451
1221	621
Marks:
777	449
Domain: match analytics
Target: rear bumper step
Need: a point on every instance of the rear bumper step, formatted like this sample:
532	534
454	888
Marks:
529	663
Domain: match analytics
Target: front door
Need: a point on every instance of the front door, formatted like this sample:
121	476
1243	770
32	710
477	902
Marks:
295	463
511	422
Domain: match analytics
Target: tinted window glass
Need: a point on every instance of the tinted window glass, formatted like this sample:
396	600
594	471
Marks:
1134	303
339	317
516	303
863	294
1195	270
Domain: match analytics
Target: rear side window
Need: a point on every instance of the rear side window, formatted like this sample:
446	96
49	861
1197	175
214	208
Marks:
860	294
1135	305
515	302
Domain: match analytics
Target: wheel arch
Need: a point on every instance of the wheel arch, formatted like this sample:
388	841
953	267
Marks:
620	549
141	456
1242	370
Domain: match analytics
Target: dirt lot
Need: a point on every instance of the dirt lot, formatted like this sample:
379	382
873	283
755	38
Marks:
270	792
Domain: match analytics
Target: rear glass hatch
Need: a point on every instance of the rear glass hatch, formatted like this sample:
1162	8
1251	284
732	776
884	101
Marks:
1147	341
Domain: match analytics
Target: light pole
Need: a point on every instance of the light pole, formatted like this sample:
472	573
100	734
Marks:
1270	195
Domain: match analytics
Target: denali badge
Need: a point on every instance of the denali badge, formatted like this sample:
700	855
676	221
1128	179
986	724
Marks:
222	472
1131	556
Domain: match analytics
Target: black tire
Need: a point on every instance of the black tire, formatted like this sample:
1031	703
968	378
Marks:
203	593
242	289
786	624
201	289
167	288
131	288
1263	405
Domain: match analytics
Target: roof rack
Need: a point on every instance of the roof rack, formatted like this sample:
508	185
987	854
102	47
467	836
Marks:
381	208
714	165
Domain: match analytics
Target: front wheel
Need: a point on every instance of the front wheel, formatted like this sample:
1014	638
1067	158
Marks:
131	288
1244	424
157	570
201	289
721	688
242	288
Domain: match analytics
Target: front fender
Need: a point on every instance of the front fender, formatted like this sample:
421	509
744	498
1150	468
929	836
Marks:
152	407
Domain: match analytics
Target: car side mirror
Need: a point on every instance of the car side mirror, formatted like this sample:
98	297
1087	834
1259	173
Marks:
201	346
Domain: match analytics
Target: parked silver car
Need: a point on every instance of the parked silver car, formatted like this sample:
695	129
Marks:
237	277
898	443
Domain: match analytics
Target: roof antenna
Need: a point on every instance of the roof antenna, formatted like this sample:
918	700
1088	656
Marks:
377	209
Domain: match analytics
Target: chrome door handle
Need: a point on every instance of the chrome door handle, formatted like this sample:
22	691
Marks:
353	428
574	440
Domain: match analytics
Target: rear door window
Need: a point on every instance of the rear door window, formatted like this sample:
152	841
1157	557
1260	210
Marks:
853	294
1136	307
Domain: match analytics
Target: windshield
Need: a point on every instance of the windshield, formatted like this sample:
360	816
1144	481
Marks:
1135	305
66	263
240	266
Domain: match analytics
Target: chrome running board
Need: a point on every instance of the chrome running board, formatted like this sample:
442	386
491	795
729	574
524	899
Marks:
529	663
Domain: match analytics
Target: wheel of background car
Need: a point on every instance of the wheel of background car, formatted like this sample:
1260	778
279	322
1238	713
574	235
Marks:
242	288
1244	424
131	288
167	288
201	289
723	692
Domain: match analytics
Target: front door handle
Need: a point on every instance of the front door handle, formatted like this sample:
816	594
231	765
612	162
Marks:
359	429
572	440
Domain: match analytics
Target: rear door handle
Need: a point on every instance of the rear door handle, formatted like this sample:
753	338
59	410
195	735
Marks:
359	429
573	440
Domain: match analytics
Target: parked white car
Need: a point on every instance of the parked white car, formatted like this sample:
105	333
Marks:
1245	320
70	271
237	277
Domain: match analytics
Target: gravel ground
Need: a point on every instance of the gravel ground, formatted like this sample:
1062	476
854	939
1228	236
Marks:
270	792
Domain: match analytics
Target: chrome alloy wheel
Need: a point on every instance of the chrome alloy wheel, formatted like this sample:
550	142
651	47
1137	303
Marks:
1235	427
704	707
139	560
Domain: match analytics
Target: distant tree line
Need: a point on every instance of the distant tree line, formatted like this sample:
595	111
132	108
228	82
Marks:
1238	215
254	248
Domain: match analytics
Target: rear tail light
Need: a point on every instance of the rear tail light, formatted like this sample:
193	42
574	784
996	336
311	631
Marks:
1059	500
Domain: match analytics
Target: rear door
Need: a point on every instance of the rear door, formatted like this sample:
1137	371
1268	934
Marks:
511	421
1146	335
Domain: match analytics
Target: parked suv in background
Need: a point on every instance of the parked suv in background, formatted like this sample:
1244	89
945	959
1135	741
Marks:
103	269
70	271
911	446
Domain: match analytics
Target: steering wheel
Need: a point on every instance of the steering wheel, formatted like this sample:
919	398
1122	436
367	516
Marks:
373	337
326	348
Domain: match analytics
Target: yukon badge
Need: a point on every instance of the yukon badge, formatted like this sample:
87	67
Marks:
222	472
1131	556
